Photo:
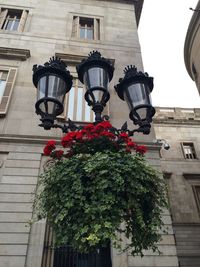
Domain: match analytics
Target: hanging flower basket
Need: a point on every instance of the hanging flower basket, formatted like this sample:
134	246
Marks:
100	187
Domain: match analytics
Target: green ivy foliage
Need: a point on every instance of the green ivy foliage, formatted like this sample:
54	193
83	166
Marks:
86	198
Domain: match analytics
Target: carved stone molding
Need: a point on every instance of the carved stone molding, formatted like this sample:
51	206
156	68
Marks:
14	53
74	60
191	176
70	59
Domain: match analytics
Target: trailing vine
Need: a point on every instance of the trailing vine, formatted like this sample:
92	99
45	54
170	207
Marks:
98	185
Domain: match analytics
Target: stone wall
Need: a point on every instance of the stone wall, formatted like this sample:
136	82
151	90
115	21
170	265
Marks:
18	181
48	31
177	126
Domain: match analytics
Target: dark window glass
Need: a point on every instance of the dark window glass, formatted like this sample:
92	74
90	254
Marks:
12	20
86	27
189	151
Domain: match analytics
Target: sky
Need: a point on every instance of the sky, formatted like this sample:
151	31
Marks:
162	31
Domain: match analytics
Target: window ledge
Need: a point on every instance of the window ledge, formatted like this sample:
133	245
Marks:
85	40
14	53
70	58
73	60
3	31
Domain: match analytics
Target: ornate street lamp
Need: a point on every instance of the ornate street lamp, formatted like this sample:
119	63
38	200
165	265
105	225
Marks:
96	72
135	89
53	81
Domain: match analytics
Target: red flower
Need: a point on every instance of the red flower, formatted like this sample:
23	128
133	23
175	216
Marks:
91	136
68	138
66	141
47	151
89	127
50	146
124	137
106	124
58	154
131	144
141	149
79	135
102	126
98	128
108	134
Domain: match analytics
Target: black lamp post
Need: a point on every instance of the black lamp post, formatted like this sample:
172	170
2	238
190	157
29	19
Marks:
96	72
135	89
53	81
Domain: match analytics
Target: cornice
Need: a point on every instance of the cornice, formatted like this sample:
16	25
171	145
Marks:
191	176
73	60
193	28
14	53
177	121
24	139
70	59
138	9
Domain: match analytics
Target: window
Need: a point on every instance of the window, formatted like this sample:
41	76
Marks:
86	28
66	256
76	107
12	19
189	151
3	79
7	79
196	190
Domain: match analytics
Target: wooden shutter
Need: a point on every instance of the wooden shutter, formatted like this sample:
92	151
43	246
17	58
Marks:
3	14
75	27
96	29
22	20
8	91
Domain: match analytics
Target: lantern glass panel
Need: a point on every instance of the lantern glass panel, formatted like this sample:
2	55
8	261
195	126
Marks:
41	88
96	77
137	94
56	88
49	107
142	112
51	86
98	95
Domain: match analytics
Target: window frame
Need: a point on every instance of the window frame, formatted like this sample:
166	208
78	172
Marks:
193	151
5	17
97	27
196	191
65	113
10	82
3	71
193	180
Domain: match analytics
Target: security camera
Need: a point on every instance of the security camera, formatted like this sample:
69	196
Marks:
166	146
164	143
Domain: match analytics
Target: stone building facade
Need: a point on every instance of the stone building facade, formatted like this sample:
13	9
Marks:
30	33
180	128
191	48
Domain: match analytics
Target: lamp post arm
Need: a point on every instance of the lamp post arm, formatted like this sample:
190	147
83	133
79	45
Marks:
65	127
